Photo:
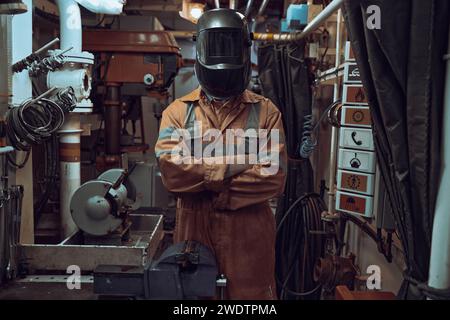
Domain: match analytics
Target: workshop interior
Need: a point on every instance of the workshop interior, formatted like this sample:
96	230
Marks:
363	90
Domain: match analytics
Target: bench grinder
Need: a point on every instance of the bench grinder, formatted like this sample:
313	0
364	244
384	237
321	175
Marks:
100	207
185	270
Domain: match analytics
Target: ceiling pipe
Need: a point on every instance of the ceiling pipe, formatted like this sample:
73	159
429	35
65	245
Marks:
248	8
263	7
311	27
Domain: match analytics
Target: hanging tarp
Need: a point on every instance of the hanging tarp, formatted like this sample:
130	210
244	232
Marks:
285	80
402	69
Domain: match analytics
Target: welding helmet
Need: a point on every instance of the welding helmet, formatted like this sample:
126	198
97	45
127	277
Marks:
223	66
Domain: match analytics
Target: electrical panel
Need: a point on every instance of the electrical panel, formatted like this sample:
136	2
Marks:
356	176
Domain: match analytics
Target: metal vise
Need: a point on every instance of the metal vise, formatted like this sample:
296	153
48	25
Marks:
186	270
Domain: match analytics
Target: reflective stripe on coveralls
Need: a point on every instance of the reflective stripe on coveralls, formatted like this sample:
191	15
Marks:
231	215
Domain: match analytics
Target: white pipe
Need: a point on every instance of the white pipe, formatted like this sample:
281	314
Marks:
439	273
263	7
70	18
248	8
103	6
69	170
71	36
322	16
334	130
70	25
217	3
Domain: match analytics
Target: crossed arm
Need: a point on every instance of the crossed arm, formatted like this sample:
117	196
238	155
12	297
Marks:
235	185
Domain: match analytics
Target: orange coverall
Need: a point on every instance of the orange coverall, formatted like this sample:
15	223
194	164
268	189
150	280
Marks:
229	214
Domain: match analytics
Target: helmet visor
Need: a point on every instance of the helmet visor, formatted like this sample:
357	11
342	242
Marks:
220	46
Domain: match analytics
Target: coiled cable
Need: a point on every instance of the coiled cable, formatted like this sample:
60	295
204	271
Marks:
36	120
66	99
302	219
308	141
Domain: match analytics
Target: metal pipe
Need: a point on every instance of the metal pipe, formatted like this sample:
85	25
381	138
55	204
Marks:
334	130
439	273
113	113
217	3
312	26
233	4
322	16
103	6
47	46
69	147
70	168
70	24
248	8
263	7
69	134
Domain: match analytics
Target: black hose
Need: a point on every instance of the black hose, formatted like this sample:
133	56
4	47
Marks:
300	247
37	120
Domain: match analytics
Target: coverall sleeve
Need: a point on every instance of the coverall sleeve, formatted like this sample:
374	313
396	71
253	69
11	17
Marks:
262	181
186	177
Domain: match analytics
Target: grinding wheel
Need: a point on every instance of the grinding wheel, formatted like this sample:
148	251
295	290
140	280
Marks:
92	211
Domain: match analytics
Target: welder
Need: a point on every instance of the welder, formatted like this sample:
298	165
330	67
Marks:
223	197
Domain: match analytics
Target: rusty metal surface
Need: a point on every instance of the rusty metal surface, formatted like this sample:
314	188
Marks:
131	57
130	41
146	233
129	68
332	271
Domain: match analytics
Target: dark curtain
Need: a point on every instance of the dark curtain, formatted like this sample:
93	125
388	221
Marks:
402	69
285	80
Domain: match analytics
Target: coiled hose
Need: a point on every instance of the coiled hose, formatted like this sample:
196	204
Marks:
36	120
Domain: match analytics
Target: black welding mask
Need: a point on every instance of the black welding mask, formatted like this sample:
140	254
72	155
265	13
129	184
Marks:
223	66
